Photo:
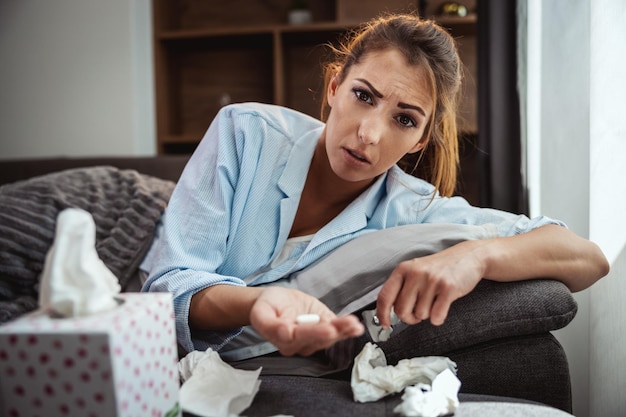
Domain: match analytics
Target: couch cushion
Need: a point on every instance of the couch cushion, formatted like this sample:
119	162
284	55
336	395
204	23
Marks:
531	367
125	205
306	396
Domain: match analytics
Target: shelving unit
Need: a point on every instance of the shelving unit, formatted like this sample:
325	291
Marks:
211	53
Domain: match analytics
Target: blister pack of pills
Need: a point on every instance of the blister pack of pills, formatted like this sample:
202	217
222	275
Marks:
375	330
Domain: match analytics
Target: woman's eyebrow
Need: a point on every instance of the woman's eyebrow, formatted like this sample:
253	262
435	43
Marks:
401	104
410	106
371	87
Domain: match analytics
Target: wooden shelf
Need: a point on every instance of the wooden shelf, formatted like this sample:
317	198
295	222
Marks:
250	30
445	21
211	53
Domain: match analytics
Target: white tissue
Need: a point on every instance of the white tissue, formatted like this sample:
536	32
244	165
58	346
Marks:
422	400
75	281
372	379
212	388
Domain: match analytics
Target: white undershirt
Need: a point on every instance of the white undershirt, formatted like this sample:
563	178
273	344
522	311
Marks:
291	244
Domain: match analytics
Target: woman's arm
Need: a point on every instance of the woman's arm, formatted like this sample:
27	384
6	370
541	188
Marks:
222	307
273	312
424	288
547	252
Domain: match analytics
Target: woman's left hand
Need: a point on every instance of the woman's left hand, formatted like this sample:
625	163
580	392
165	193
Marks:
424	288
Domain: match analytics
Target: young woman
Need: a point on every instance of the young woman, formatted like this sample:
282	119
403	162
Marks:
270	191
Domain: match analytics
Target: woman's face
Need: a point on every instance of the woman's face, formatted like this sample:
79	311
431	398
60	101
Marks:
378	114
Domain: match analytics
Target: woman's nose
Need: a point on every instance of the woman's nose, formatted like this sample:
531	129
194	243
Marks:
370	131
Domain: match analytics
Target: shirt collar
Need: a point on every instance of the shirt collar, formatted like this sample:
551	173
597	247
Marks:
356	216
294	175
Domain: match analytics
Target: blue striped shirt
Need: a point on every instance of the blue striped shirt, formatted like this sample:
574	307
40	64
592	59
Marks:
233	207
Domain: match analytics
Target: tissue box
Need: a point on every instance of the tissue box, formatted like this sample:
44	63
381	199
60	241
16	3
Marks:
118	363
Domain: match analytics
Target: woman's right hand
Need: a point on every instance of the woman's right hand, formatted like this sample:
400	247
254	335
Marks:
274	316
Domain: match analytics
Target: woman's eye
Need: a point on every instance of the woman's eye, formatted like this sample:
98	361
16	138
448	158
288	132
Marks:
362	96
406	121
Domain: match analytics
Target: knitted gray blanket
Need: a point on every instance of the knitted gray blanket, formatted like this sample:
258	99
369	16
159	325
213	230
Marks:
125	206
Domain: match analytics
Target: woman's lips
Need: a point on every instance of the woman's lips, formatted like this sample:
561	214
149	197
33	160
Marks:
355	157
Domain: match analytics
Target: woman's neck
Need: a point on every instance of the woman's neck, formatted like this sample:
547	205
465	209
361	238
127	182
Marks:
323	183
324	196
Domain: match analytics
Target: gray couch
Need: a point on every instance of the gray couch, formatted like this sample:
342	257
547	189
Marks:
499	335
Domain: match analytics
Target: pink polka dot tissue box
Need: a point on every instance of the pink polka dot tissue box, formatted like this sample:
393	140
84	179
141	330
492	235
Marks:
121	362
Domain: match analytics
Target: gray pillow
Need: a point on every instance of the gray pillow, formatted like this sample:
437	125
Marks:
353	273
125	205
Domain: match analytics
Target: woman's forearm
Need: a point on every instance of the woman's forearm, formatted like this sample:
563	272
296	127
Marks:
547	252
222	307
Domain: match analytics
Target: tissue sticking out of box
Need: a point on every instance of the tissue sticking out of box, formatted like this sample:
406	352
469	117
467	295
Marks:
75	282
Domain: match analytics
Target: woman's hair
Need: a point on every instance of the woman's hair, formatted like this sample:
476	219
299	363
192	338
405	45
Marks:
427	46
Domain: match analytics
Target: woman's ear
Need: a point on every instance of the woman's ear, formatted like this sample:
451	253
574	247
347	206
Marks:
421	144
418	146
332	90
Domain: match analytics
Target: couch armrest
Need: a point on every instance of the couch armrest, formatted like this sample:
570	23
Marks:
496	310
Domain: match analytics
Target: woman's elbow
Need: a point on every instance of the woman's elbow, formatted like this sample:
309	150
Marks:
602	265
596	267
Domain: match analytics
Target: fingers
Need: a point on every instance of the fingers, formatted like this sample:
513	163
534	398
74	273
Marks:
348	326
416	293
409	293
440	310
423	306
308	338
387	297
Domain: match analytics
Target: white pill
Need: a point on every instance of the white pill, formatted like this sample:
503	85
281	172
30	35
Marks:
308	319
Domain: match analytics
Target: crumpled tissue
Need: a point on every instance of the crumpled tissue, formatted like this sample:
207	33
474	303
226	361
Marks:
423	400
372	379
74	281
212	388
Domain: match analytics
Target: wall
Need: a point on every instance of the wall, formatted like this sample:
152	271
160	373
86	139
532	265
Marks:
576	146
608	206
76	78
559	116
